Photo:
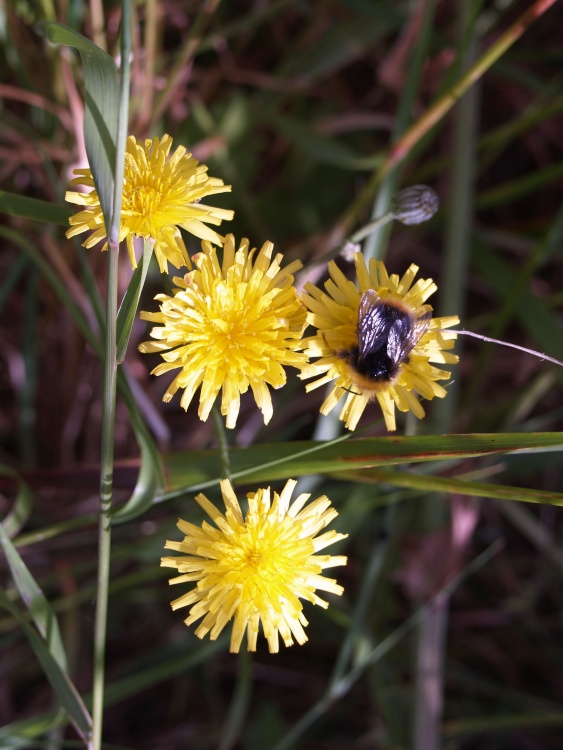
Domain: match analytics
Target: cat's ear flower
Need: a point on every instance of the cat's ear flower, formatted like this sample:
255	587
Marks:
160	194
230	326
256	568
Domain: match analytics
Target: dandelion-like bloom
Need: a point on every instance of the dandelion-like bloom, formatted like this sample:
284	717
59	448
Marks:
160	194
336	315
258	567
230	326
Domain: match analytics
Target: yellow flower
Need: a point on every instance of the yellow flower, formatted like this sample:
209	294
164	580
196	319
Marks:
229	327
394	381
160	194
256	568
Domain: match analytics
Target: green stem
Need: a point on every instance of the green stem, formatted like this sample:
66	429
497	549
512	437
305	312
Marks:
223	444
106	495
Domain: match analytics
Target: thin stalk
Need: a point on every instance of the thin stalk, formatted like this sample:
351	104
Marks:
223	444
106	496
110	390
432	631
238	708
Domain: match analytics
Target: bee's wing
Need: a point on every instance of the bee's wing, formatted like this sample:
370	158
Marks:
405	334
373	328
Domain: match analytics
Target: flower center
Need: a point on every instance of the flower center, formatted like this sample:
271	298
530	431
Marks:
145	200
254	560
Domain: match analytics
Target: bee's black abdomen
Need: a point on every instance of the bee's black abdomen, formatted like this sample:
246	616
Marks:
377	366
375	362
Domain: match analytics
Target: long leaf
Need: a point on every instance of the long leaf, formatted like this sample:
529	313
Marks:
430	483
268	462
101	113
130	302
35	600
33	208
63	687
21	510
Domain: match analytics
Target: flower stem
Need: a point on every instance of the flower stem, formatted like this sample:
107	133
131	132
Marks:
106	495
221	436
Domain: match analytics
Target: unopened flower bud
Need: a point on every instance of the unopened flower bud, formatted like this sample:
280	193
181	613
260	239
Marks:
415	204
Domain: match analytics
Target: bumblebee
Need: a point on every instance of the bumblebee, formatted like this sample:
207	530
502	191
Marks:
388	331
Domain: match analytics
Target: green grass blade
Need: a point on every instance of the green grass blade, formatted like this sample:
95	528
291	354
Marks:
268	462
63	687
17	517
35	601
429	483
34	209
130	302
101	110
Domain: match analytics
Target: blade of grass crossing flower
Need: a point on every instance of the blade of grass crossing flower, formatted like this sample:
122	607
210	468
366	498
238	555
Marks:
35	601
130	302
110	389
109	395
34	209
122	120
63	687
101	111
21	510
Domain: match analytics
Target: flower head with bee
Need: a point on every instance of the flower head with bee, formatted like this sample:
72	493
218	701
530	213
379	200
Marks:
377	340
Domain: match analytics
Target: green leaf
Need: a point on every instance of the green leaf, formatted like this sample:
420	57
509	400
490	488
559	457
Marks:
18	733
150	479
454	485
35	601
63	687
130	302
34	209
186	472
17	517
101	110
